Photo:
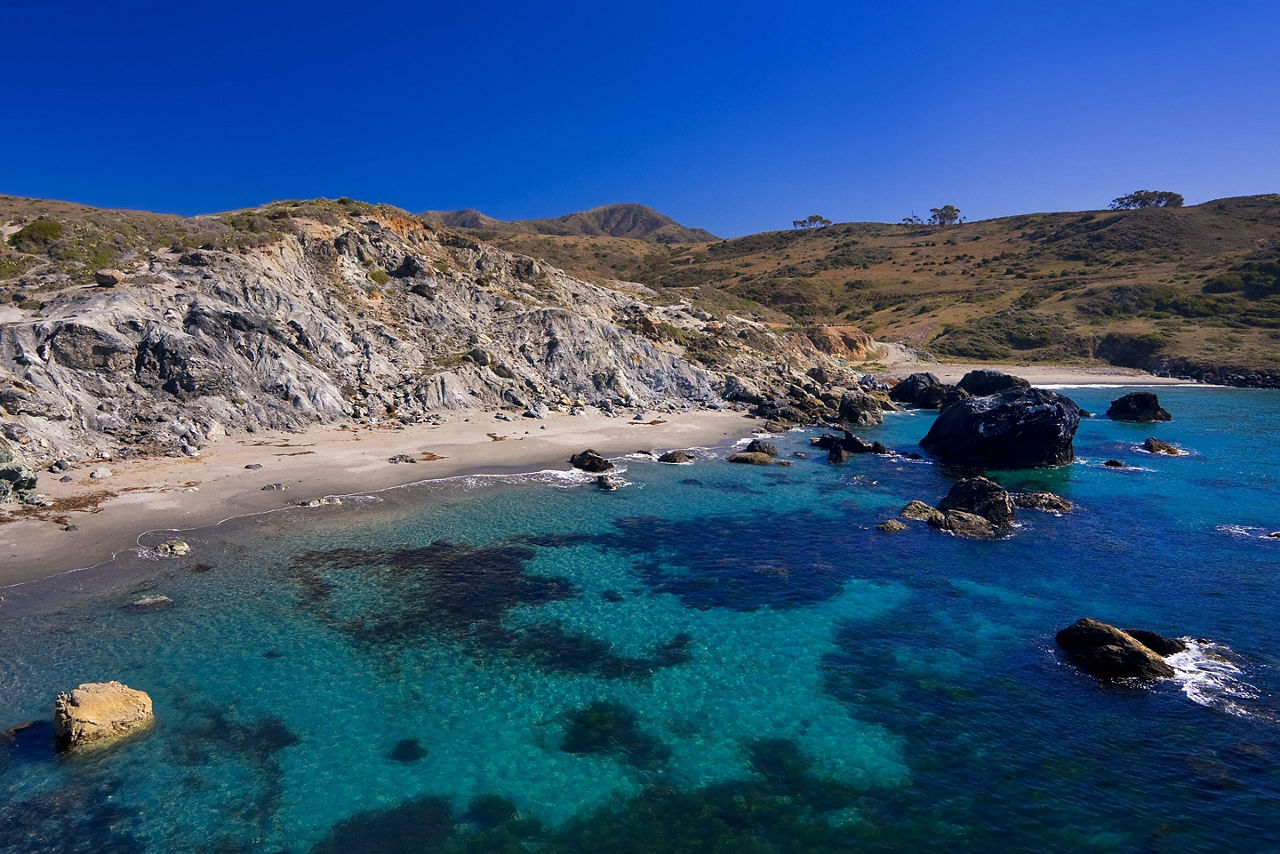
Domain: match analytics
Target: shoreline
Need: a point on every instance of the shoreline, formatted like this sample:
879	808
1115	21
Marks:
148	495
1039	374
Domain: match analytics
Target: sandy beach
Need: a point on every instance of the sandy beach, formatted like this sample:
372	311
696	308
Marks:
1041	375
179	493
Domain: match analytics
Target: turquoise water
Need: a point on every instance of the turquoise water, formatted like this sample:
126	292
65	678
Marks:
715	657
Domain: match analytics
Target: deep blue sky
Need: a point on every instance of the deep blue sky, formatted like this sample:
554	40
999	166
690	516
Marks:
737	117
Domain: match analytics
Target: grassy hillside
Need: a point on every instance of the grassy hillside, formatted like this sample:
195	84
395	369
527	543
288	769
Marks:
1183	286
1201	284
627	221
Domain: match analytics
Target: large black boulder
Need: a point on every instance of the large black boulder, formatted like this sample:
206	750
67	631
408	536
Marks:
1109	653
984	381
1140	406
858	407
590	461
981	497
923	390
1017	428
760	446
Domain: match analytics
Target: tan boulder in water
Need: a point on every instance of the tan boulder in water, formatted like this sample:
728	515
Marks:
100	712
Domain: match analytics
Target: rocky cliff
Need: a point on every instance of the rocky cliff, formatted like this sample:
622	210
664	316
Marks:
344	311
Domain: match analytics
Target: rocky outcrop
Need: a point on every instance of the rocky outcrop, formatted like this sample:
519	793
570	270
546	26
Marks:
1045	501
1153	445
607	483
922	390
859	407
918	511
984	381
891	526
1138	406
759	446
17	479
754	458
1109	653
590	461
676	458
1016	428
98	713
980	497
964	524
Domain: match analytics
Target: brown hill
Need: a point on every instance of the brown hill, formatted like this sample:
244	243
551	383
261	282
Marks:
631	221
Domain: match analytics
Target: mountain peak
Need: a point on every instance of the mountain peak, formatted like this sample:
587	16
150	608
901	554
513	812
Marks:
629	220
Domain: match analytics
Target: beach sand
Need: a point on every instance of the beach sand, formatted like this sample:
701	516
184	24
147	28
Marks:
166	493
1040	375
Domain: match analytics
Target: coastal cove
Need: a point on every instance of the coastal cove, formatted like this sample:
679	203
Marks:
711	655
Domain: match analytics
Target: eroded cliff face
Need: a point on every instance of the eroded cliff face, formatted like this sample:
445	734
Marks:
368	316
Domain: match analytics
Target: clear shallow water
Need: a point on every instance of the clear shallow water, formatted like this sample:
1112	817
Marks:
715	655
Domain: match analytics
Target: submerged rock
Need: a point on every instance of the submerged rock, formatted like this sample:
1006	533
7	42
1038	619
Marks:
1139	406
407	750
676	458
590	461
1017	428
1108	653
984	381
1153	445
98	713
147	604
981	497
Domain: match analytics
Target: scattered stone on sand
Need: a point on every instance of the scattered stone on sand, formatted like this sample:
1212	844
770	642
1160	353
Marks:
590	461
100	472
108	278
321	502
66	478
402	458
1152	445
71	528
253	466
1109	653
1138	406
274	487
890	526
1046	501
676	458
754	458
97	713
173	548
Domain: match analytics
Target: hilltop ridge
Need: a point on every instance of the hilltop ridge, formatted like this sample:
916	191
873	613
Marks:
630	221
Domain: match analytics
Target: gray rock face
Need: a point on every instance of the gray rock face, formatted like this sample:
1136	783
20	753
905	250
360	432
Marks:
17	479
1046	501
676	458
1017	428
859	407
923	390
760	446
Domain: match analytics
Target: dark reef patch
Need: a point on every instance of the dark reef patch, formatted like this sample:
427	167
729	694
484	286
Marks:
80	816
725	562
407	750
614	729
422	824
384	599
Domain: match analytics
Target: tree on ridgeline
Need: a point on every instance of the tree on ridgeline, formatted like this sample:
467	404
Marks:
814	221
945	215
1146	199
912	220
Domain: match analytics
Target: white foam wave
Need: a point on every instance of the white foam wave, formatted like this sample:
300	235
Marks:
1208	675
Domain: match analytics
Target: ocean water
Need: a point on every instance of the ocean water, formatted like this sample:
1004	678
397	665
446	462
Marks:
713	658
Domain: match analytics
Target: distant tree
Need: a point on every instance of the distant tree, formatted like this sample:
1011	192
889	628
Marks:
912	220
945	215
1146	199
814	221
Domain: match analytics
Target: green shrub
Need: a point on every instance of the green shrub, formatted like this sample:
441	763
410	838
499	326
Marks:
36	236
380	276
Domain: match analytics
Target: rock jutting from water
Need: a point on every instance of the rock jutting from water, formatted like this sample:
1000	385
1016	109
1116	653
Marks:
981	497
590	461
1016	428
97	713
984	381
1109	653
1138	406
1153	445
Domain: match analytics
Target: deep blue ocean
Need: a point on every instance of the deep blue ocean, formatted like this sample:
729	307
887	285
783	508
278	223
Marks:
713	658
